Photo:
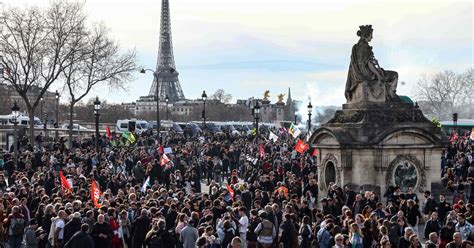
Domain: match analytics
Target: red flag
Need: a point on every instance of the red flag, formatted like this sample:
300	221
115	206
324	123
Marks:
454	137
164	160
108	132
95	194
262	151
64	182
231	191
162	151
315	152
301	147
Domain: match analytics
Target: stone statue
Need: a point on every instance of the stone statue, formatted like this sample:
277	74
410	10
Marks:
366	80
266	95
280	98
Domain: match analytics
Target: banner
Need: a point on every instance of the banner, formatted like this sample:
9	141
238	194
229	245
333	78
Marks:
167	150
95	194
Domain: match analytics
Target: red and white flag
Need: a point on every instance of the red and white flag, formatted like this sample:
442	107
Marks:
164	160
262	151
301	147
95	194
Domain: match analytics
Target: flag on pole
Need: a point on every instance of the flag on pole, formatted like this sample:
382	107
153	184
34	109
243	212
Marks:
231	191
301	147
108	132
294	131
65	184
273	137
95	194
164	160
146	184
262	151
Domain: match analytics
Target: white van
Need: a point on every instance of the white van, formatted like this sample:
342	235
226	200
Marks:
138	126
22	120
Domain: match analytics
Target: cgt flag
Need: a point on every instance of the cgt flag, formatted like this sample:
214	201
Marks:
64	182
95	194
301	147
164	160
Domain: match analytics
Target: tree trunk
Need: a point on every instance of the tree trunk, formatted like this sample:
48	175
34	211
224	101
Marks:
71	113
31	124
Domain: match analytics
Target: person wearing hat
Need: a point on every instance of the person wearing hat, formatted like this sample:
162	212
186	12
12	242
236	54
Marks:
31	240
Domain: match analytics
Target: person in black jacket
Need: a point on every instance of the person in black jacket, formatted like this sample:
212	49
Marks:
158	236
73	226
102	233
81	239
432	225
140	226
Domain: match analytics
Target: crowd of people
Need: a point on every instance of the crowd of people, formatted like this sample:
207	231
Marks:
216	190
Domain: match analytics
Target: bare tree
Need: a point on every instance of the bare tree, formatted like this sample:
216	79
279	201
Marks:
446	92
36	46
221	96
98	61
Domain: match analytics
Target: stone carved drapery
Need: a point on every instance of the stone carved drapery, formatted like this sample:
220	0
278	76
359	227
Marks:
400	160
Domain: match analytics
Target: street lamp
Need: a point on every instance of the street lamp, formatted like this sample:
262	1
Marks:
167	100
455	121
204	98
310	112
96	113
56	95
295	119
41	108
15	115
256	113
157	75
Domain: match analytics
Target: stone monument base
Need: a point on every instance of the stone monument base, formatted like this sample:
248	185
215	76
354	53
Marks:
372	145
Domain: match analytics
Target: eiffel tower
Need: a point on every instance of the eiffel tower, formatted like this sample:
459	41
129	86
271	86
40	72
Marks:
167	75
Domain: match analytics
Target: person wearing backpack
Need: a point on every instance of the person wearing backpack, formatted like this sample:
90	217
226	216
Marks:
16	228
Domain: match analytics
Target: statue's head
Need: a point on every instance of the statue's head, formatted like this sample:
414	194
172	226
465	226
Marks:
365	32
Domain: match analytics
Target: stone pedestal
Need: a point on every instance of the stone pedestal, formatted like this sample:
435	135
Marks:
374	145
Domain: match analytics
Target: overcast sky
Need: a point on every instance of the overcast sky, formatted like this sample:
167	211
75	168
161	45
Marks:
248	46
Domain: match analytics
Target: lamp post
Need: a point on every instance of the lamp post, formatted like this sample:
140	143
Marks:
455	121
41	108
56	95
157	75
310	112
295	120
204	98
15	115
167	99
256	113
96	113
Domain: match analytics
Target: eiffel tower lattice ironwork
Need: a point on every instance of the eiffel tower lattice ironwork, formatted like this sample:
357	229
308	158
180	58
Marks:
166	73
